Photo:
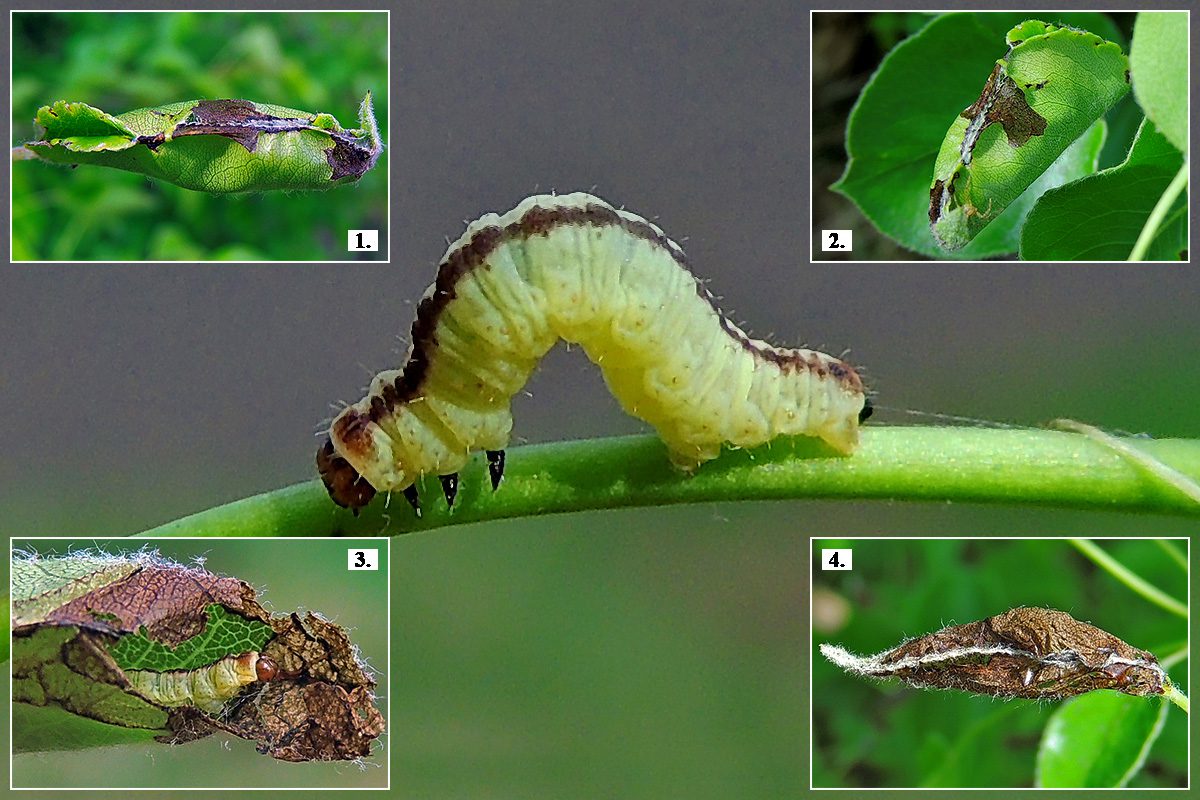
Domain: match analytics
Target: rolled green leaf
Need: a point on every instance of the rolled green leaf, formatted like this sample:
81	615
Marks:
1051	86
216	146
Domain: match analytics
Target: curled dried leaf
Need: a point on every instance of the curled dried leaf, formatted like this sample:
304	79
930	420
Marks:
1035	653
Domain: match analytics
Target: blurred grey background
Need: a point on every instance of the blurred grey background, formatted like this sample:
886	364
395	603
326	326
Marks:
650	652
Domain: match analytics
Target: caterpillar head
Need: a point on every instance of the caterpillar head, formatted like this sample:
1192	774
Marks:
265	669
345	485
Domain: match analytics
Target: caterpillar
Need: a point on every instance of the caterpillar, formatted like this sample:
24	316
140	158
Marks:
573	267
207	688
1024	652
214	145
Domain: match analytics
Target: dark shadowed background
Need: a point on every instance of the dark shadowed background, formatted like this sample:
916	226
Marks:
642	653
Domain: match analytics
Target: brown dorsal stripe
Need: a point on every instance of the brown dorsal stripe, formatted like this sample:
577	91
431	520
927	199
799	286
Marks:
541	221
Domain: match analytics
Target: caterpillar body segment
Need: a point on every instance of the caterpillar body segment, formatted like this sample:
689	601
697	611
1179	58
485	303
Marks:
208	688
573	267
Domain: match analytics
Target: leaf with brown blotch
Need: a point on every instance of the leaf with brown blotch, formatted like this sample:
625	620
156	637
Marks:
141	643
1052	86
1035	653
1003	102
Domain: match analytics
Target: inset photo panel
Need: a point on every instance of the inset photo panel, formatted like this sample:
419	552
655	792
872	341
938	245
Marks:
200	663
1045	136
979	663
196	136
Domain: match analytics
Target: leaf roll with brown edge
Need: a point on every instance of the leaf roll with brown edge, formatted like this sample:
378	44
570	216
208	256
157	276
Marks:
218	146
1053	83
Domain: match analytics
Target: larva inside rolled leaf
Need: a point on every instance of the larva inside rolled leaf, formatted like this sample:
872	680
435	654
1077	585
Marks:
573	267
208	688
214	145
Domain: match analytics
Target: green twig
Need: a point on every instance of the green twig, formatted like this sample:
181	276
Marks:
1015	467
1122	573
1177	697
1159	213
1186	484
1179	558
1174	657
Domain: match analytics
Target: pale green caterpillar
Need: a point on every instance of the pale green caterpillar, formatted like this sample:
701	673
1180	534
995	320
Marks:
214	145
573	267
208	688
1050	87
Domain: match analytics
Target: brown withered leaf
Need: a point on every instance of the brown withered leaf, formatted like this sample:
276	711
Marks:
167	599
318	721
323	710
1025	652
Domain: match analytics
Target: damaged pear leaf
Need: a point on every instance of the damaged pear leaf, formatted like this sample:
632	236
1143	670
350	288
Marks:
1036	653
1050	87
140	645
218	146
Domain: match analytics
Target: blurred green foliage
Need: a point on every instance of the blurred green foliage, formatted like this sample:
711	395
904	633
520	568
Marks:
121	61
890	27
883	734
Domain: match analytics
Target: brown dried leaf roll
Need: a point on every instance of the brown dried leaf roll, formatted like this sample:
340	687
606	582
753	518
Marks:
1035	653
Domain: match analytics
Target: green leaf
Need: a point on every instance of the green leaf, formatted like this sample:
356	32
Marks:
49	674
1159	63
42	729
214	145
1098	740
899	122
1099	217
225	634
1050	87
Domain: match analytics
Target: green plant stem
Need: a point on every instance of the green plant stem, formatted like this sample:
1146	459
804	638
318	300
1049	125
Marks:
1122	573
1179	558
1159	213
1184	483
1014	467
1177	697
1174	657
